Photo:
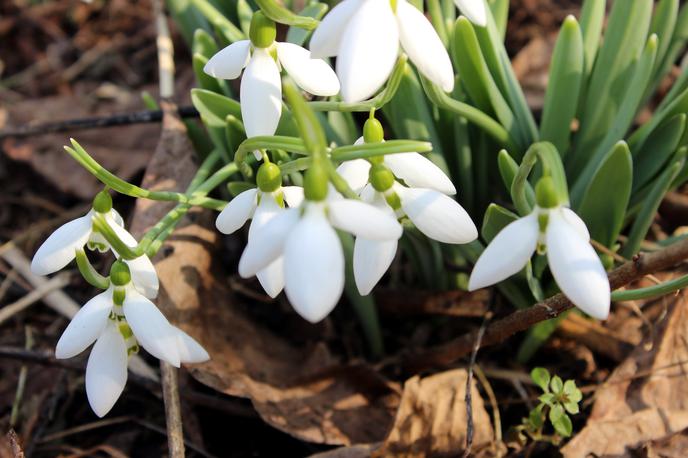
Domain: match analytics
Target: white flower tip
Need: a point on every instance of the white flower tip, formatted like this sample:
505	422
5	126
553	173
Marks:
38	267
448	86
313	311
474	10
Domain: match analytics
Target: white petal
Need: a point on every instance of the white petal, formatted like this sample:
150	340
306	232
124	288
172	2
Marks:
271	278
576	268
261	95
85	327
293	195
150	327
143	276
576	222
314	267
267	243
237	212
327	37
312	75
59	249
372	258
436	215
423	46
364	220
474	10
419	172
507	254
189	350
228	62
106	371
368	51
356	173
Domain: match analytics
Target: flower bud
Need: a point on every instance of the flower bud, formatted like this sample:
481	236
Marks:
373	131
119	273
545	193
262	31
269	177
315	183
102	203
381	177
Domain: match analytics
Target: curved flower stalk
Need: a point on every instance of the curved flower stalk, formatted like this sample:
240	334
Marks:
474	10
118	321
424	200
261	205
306	239
574	263
60	248
261	86
365	36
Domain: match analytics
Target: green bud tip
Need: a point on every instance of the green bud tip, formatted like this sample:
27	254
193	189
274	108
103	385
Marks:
119	273
315	183
262	31
373	131
545	193
381	177
269	177
102	203
393	200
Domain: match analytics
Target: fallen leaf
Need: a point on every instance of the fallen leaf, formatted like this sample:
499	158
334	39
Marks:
450	303
645	398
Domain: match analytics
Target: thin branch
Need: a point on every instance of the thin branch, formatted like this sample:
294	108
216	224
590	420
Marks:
520	320
95	122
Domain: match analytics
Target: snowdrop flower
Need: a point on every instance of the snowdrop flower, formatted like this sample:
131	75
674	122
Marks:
365	36
118	321
307	240
261	86
474	10
424	201
261	205
60	248
574	264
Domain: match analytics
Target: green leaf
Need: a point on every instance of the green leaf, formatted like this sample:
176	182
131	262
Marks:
204	80
280	14
565	76
224	26
536	417
496	218
237	187
623	44
245	13
297	35
508	168
541	377
657	150
591	21
204	44
663	25
572	391
676	106
500	12
571	407
563	425
547	398
613	179
214	110
188	19
555	413
557	385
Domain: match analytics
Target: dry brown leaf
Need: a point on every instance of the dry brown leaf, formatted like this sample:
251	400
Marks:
302	390
451	303
675	446
645	398
431	420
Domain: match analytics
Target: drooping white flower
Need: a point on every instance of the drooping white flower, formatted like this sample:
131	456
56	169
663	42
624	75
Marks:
261	207
118	320
60	249
574	264
425	201
261	86
474	10
312	252
365	36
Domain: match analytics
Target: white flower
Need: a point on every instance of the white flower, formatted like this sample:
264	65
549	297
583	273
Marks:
425	203
365	36
261	207
574	264
261	86
60	249
116	330
474	10
312	252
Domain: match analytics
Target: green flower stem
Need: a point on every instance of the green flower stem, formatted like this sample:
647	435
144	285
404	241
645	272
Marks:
280	14
368	150
552	166
169	220
231	32
125	252
271	142
204	170
297	165
651	291
376	102
89	272
472	114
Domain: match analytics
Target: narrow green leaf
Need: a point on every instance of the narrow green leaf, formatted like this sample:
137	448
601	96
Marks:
677	44
605	216
496	218
500	12
677	106
591	21
213	107
657	150
245	13
223	25
663	25
204	44
565	76
188	19
297	35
